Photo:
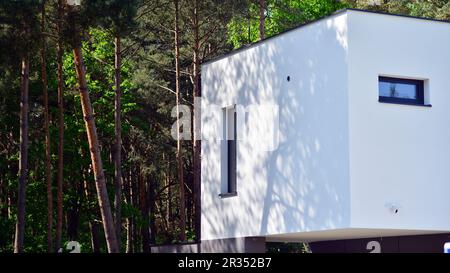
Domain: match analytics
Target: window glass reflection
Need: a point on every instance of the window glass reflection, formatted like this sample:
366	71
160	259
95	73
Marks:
397	90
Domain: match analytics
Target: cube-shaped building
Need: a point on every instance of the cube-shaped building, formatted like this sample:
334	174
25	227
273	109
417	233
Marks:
338	129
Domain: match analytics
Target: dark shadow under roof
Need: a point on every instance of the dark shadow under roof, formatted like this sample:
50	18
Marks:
244	47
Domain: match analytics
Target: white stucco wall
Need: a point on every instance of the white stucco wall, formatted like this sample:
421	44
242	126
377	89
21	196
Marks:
342	157
398	153
303	185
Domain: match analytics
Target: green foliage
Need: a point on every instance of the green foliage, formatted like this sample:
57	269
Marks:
437	9
19	24
145	28
280	15
98	53
120	16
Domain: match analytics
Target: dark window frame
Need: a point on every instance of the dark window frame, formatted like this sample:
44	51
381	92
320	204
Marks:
232	157
231	153
420	92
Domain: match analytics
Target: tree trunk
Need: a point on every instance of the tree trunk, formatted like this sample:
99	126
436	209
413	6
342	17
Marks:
179	146
151	201
262	19
95	238
48	165
129	221
23	159
168	202
3	197
129	243
196	141
73	217
75	207
93	224
144	214
97	166
118	136
10	205
60	171
135	203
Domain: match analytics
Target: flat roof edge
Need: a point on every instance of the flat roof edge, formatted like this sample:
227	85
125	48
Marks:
248	46
399	15
338	12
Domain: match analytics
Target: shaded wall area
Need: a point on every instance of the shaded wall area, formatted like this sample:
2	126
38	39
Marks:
229	245
401	244
302	184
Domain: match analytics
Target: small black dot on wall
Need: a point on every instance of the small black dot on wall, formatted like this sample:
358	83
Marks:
288	78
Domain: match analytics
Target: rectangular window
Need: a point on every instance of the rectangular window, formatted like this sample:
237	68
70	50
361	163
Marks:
404	91
230	152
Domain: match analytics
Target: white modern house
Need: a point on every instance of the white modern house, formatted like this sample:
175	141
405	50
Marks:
338	129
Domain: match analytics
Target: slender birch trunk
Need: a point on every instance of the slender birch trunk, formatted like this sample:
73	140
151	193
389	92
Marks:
60	167
118	137
23	158
196	141
48	165
179	144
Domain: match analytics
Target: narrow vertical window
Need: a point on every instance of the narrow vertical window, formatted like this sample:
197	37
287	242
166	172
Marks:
229	155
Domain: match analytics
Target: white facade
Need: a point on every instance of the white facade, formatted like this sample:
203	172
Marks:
343	160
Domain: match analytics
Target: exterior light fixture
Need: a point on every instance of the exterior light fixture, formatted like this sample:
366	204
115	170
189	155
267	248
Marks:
393	208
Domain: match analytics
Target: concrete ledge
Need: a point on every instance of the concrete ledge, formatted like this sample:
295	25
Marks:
181	248
230	245
401	244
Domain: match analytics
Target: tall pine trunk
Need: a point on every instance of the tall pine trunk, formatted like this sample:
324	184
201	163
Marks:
60	171
129	199
93	224
48	165
179	146
135	203
151	203
118	136
144	213
73	209
168	203
97	165
23	158
262	19
196	141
